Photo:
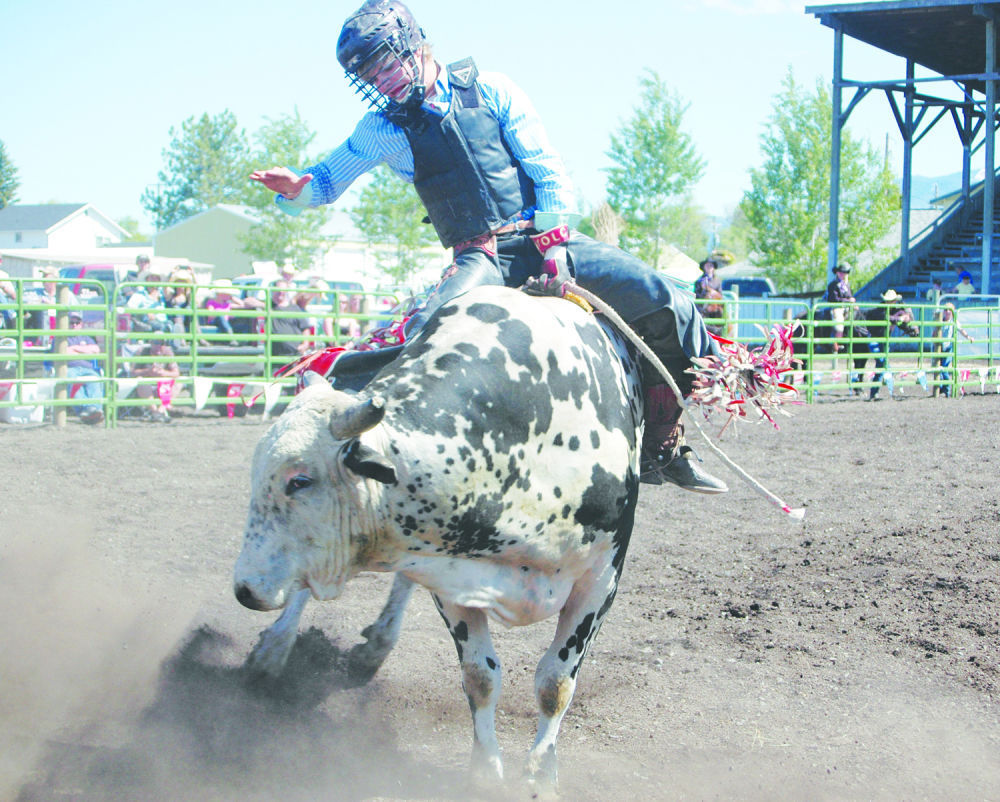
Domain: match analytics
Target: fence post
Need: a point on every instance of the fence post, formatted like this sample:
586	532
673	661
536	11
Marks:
65	297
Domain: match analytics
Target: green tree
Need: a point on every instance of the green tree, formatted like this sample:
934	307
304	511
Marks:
787	205
734	234
655	166
206	164
280	237
390	213
9	182
131	225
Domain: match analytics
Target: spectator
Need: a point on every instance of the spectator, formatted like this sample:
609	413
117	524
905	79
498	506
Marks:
49	296
933	295
220	303
166	369
944	330
838	291
350	327
286	325
323	323
965	285
303	299
149	296
709	287
8	295
84	368
178	295
880	319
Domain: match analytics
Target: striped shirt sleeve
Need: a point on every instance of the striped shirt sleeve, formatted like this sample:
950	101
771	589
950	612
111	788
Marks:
376	141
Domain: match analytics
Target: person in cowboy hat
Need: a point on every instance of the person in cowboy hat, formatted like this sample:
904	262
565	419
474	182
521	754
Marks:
880	319
943	335
838	291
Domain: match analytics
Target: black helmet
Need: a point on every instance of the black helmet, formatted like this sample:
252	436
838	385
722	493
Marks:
380	38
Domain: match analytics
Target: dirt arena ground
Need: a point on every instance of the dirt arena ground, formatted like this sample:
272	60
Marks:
852	656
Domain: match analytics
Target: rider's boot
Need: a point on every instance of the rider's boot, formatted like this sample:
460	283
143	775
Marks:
665	455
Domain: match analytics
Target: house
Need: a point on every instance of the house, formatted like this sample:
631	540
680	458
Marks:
214	236
211	236
57	226
33	236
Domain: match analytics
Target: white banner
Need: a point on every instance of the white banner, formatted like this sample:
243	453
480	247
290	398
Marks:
201	387
271	394
124	387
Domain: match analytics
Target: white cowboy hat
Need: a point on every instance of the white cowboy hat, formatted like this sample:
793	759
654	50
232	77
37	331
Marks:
891	296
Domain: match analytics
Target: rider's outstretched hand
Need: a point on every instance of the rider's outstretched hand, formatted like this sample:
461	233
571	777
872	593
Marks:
555	265
282	180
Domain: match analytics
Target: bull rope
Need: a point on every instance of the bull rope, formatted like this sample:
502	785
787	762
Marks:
628	332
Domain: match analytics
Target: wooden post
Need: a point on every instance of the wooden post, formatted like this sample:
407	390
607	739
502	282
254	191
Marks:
64	297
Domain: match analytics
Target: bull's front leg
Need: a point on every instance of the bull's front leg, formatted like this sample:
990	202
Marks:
381	636
275	643
555	677
480	681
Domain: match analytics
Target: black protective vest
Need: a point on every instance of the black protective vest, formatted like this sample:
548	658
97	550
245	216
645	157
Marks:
463	171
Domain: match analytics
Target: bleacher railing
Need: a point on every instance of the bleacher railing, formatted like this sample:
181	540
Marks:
226	359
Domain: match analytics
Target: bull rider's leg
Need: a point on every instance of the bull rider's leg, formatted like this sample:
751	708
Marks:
666	457
480	681
668	320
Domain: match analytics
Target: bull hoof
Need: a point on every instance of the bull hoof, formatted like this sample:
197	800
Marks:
270	655
364	660
542	774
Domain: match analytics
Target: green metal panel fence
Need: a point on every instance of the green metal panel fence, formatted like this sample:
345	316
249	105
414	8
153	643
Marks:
171	348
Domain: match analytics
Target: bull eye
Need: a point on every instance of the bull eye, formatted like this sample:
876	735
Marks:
296	483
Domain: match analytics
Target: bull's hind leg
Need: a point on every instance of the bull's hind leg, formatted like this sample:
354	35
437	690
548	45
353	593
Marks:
555	677
480	681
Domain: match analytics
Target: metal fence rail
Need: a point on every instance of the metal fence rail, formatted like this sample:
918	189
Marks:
229	365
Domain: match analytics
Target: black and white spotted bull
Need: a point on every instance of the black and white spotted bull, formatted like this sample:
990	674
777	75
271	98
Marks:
495	462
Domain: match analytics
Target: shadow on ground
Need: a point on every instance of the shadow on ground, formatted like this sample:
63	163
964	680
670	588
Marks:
219	732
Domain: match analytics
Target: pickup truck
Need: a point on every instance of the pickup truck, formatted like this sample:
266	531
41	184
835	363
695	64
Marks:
108	275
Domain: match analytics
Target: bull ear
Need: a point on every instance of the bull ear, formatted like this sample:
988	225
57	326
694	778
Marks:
367	462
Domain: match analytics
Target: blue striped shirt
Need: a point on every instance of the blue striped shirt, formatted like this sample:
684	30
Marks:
376	141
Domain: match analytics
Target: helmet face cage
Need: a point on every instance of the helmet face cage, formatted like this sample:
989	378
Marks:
378	51
397	71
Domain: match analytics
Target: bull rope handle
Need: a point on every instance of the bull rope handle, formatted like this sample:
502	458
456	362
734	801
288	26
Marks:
628	332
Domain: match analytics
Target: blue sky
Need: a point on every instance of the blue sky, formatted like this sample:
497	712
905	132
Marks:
91	90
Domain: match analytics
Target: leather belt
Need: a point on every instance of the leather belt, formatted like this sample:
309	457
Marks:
488	241
518	225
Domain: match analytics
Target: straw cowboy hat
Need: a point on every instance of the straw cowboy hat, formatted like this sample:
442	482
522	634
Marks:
891	297
224	287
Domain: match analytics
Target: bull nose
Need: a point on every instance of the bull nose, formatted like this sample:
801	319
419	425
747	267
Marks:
245	597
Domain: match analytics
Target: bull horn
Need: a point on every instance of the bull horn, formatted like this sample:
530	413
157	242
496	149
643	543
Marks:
357	418
311	377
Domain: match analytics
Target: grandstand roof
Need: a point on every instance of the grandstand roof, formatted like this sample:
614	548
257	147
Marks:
946	36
